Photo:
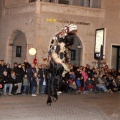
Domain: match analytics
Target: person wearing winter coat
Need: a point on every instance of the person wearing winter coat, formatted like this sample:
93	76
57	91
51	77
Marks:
13	80
7	83
34	83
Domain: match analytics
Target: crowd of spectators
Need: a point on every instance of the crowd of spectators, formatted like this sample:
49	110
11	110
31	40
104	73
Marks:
25	78
22	78
93	80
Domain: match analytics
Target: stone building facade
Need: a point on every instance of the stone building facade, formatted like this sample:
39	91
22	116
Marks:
25	24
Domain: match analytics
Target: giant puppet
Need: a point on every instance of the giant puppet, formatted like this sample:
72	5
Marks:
58	60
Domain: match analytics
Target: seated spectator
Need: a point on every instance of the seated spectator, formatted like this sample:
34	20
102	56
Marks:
12	79
82	84
118	81
95	88
7	83
106	80
112	85
89	84
100	83
115	87
71	75
72	87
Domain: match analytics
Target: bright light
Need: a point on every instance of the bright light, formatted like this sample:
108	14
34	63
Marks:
32	51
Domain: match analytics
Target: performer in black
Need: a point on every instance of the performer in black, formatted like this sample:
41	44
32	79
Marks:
58	60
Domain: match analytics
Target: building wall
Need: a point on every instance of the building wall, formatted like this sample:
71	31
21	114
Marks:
14	2
15	18
39	21
0	19
112	25
51	19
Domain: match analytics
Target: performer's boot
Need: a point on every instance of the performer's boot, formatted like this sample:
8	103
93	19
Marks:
55	97
49	100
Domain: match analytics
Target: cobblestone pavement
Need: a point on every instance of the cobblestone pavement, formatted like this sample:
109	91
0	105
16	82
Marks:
69	107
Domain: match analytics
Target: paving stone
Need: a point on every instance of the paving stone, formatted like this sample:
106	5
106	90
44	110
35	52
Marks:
68	107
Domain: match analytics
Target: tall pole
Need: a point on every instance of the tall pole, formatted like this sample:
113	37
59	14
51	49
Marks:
100	56
99	59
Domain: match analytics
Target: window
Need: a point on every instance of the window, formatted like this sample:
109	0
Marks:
63	2
18	51
73	54
90	3
87	3
32	0
99	42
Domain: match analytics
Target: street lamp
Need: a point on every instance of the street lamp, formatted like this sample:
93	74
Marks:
33	51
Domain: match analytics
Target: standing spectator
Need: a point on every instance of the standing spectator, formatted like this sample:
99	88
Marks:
25	85
26	63
78	76
19	77
42	85
38	81
8	68
85	76
30	71
7	83
2	67
42	71
23	69
15	67
34	83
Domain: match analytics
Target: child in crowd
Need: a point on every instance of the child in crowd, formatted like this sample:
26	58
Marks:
34	83
25	85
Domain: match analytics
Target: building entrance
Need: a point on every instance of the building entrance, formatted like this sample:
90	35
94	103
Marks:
18	46
115	57
76	52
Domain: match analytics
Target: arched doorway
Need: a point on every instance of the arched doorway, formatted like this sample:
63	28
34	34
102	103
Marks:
17	47
76	52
